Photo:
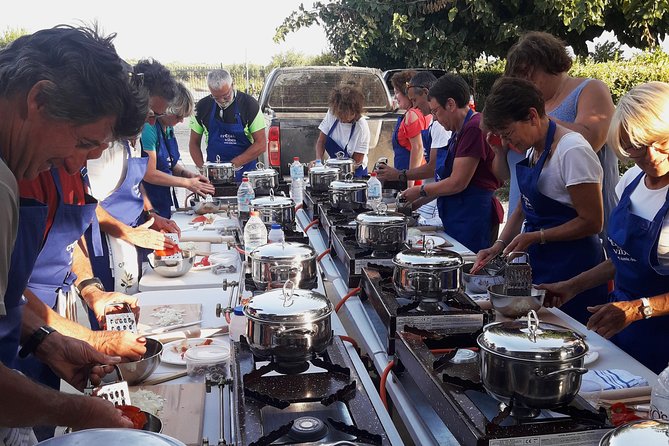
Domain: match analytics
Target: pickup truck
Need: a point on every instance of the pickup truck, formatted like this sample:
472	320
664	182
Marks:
294	101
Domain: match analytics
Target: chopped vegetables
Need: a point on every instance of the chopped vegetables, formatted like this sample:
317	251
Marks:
621	414
168	316
148	401
183	347
204	262
135	415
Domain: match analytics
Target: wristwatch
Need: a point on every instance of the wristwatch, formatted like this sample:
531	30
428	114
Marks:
645	309
92	281
148	212
35	340
403	175
423	192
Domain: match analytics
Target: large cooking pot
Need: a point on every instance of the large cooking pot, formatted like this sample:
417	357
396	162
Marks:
274	264
538	364
381	230
320	177
219	173
288	325
273	209
263	180
345	164
348	194
426	274
638	432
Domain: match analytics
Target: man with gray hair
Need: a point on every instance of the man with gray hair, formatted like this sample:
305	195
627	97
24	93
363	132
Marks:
234	125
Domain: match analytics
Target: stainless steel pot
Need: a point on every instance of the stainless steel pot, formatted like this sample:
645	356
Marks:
288	325
638	432
426	274
263	180
320	177
273	209
348	194
274	264
219	173
538	364
381	230
342	162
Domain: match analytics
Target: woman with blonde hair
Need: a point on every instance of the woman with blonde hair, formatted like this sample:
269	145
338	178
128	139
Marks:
638	233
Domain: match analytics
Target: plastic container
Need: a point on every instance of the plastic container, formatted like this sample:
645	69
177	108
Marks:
245	194
276	234
297	190
207	360
659	398
255	232
296	169
374	194
237	324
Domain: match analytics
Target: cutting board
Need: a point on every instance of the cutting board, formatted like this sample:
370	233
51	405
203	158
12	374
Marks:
183	410
192	313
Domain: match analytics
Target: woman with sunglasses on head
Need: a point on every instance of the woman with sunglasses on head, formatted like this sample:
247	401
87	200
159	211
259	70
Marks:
164	170
561	208
638	233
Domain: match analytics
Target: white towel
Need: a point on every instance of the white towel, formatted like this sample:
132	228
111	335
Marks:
615	379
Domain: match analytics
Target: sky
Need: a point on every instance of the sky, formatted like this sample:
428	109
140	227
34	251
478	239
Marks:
201	31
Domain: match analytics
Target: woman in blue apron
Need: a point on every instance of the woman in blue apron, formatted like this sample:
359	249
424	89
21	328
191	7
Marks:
52	276
346	105
227	141
167	155
516	113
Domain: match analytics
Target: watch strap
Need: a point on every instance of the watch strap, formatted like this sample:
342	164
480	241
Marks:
423	192
646	309
92	281
35	340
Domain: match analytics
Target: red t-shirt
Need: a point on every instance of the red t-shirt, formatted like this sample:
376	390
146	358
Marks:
43	189
408	131
471	143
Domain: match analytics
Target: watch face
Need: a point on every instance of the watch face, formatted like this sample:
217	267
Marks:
647	311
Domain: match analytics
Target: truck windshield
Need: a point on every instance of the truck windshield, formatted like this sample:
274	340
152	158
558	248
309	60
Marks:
309	90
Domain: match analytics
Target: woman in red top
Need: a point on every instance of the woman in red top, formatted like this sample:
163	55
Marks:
407	140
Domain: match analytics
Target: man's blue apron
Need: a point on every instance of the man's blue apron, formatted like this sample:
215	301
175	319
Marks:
632	247
227	141
332	148
467	215
53	268
167	156
562	260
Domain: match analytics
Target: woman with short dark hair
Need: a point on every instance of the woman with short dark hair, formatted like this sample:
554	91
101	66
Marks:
560	184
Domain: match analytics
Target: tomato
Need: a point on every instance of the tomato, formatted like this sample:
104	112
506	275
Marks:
621	414
204	262
167	251
135	414
199	219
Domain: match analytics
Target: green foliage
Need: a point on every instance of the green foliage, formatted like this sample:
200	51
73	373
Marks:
605	52
450	33
11	34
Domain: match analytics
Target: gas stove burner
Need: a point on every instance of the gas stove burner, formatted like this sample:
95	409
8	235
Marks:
464	356
428	306
308	429
382	254
518	412
291	368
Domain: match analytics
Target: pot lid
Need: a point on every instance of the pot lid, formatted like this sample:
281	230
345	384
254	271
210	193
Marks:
261	171
288	305
381	217
112	437
341	159
283	251
644	432
532	340
345	185
321	170
219	165
428	257
272	201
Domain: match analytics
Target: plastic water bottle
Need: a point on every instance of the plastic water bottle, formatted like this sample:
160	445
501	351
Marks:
276	234
296	169
318	163
245	194
255	233
237	324
297	190
373	190
659	398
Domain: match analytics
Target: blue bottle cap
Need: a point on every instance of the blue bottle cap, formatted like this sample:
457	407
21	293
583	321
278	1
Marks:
276	226
239	310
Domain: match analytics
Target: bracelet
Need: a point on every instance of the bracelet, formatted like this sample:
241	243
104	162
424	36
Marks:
501	241
403	175
148	212
94	281
35	340
543	237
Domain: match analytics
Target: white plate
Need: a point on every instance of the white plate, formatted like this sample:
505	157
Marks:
590	357
417	240
212	263
172	350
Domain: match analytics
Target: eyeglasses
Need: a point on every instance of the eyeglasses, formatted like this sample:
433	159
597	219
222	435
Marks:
418	86
153	115
636	150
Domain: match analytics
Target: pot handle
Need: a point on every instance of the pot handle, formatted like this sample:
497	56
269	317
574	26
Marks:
288	290
296	330
289	268
578	370
339	155
532	325
414	275
260	165
218	159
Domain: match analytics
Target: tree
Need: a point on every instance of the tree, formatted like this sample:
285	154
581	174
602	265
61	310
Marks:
10	35
605	52
453	33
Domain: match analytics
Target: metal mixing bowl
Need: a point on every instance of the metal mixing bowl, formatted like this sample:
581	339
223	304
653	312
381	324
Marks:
515	306
172	268
153	423
137	371
479	283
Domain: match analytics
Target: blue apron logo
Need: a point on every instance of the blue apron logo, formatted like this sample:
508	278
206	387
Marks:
526	202
620	252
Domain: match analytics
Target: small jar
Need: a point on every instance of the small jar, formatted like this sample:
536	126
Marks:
207	361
